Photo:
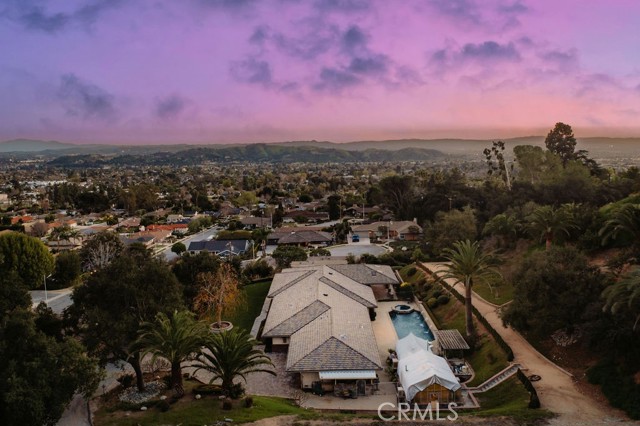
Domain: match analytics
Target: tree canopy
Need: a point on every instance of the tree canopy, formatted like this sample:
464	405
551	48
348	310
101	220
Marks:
109	308
561	142
28	257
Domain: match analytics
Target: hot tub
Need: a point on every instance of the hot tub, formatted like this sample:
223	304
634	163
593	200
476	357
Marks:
402	309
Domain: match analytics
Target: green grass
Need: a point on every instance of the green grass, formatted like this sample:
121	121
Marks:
204	411
502	291
254	295
509	398
488	358
404	273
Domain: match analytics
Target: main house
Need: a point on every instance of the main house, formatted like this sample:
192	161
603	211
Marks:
320	315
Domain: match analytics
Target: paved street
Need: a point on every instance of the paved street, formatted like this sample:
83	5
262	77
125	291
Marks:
206	234
357	249
58	300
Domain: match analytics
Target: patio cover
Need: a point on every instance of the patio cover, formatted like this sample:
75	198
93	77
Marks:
419	368
347	375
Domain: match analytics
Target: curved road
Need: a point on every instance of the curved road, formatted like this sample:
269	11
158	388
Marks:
556	390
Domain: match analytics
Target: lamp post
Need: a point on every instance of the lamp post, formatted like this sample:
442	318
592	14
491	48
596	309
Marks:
44	280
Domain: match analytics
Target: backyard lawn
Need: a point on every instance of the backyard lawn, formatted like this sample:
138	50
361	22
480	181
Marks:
498	293
509	398
488	358
254	295
201	412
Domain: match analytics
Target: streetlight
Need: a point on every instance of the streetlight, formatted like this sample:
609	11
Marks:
44	280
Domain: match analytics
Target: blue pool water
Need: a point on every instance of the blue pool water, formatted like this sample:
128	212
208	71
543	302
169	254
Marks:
411	323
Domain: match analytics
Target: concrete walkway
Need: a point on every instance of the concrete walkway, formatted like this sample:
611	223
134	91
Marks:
557	390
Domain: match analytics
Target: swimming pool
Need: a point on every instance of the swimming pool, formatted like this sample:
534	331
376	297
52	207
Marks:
411	323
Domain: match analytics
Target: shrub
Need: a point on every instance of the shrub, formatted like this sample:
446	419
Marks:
248	402
163	406
619	388
437	293
412	271
126	380
236	391
227	405
432	303
208	390
443	299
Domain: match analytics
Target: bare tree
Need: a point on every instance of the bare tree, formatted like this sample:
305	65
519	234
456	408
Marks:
219	292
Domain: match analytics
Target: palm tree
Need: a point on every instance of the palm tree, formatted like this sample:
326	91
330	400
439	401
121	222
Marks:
176	338
504	226
468	265
625	221
231	354
548	222
624	296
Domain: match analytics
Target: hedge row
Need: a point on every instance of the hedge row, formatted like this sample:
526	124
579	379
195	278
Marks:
534	401
498	338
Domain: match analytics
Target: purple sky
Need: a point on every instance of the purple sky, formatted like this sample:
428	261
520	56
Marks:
154	71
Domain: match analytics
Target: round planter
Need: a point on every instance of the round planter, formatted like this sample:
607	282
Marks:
221	328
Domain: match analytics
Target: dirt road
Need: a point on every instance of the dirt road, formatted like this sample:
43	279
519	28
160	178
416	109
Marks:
556	390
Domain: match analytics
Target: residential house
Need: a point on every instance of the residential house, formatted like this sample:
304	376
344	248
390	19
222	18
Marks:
321	318
300	238
222	248
405	230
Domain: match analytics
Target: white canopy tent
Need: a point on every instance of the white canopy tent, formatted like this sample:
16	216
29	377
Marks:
419	368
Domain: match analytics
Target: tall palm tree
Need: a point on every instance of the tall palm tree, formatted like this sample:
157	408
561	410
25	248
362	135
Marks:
232	354
176	338
468	265
548	222
625	221
624	296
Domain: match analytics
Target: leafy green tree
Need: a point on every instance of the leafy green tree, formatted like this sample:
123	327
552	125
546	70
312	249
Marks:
554	289
504	226
623	297
178	248
67	270
320	251
28	257
342	231
108	309
533	163
230	355
548	223
40	368
284	255
449	227
258	269
177	338
333	204
468	265
561	142
398	193
187	269
199	223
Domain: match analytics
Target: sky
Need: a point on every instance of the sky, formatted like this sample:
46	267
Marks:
227	71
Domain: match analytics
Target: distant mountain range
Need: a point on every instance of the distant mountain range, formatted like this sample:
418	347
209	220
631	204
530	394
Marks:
597	146
251	153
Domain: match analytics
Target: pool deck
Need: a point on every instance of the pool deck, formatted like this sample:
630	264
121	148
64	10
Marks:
386	337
